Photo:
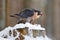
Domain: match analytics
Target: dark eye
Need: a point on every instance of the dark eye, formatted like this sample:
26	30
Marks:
38	13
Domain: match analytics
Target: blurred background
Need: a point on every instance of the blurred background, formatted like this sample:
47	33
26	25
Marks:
50	8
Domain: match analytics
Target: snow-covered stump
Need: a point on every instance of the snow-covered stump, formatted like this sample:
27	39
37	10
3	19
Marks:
11	33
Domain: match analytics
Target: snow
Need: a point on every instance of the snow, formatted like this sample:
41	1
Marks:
5	33
34	27
18	26
4	38
30	26
37	38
